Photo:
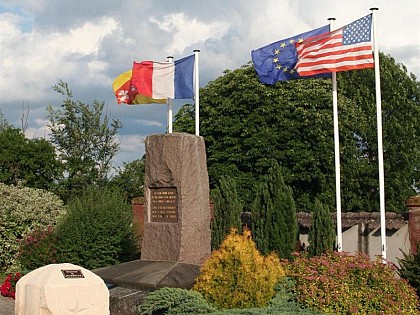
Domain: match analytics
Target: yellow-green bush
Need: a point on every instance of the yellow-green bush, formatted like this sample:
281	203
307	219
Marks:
237	275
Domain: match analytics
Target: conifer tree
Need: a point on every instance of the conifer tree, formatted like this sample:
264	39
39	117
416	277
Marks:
227	210
321	233
410	268
274	215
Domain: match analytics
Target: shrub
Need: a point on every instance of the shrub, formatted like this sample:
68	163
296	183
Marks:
321	233
38	249
410	269
97	230
346	284
22	211
237	275
173	301
8	287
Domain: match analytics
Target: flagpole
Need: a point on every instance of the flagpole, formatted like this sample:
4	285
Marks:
169	105
336	154
196	93
379	126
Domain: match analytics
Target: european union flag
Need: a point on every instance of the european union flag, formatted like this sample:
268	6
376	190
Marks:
276	61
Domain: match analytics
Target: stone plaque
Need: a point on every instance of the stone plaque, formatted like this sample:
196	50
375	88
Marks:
163	204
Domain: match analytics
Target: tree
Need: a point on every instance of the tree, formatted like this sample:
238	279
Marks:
85	137
130	178
274	219
227	211
401	135
246	124
3	121
321	233
27	162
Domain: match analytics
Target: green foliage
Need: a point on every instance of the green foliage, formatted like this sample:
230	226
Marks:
179	301
97	230
400	94
85	138
39	248
3	122
227	211
410	269
27	162
237	275
344	284
174	301
23	210
275	225
246	124
321	233
130	178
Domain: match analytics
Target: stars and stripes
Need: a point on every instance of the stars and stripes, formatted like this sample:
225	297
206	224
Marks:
348	48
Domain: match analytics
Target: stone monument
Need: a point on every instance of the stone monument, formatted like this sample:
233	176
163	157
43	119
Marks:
177	206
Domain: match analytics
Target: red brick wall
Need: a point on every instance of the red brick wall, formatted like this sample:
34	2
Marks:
138	214
413	204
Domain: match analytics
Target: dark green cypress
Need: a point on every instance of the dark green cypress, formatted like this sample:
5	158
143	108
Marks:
275	225
410	268
227	210
321	236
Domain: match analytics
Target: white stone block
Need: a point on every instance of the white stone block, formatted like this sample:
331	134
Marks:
61	289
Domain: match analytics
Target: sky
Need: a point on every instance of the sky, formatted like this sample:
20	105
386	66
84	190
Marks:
87	44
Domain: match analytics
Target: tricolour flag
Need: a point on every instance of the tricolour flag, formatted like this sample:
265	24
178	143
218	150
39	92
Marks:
347	48
164	79
126	93
276	62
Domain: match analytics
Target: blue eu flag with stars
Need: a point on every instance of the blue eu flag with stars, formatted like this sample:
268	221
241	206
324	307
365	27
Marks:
276	62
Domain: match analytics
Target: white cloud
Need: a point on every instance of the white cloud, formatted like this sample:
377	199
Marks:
188	31
33	61
148	122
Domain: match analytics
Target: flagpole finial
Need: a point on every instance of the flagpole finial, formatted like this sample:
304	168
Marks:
196	50
170	57
374	9
331	19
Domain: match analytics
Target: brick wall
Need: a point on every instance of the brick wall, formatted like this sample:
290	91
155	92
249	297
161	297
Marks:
413	204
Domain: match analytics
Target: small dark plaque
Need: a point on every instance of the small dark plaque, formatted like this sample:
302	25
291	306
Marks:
163	205
72	273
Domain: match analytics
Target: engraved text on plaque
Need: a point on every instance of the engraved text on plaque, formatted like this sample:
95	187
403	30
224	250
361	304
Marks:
163	205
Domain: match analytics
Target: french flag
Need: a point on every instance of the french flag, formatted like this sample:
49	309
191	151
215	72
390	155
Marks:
164	79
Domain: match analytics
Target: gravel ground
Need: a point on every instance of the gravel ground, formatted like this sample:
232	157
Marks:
7	306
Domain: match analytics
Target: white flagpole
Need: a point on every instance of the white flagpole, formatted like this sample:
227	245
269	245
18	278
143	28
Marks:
379	126
336	154
196	93
169	104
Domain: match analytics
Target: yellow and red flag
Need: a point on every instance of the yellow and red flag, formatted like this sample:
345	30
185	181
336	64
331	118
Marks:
126	93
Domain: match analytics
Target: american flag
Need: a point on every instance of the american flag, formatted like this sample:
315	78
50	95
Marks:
347	48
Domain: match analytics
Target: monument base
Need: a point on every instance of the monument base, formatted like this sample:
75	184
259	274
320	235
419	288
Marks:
132	281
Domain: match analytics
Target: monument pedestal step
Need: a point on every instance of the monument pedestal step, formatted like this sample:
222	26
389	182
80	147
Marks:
130	282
